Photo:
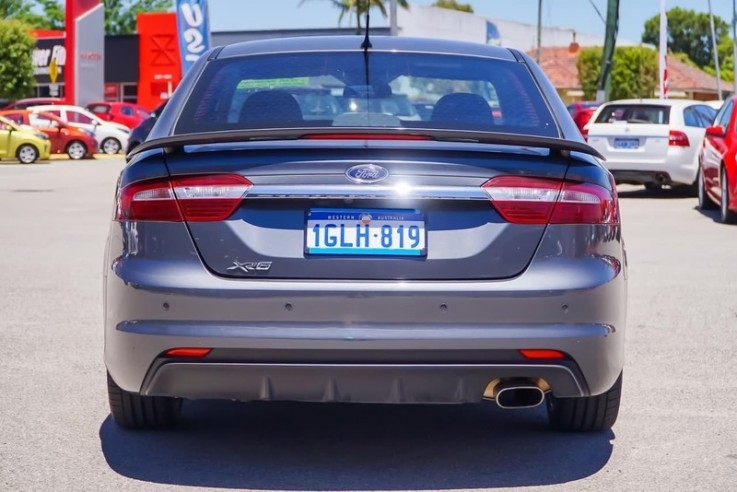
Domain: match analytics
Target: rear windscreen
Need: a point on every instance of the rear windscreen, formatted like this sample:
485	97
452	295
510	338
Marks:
342	89
635	113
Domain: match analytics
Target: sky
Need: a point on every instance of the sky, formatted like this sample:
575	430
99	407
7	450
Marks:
233	15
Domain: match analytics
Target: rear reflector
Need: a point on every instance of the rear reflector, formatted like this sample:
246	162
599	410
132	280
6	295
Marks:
526	200
198	198
193	352
678	139
542	354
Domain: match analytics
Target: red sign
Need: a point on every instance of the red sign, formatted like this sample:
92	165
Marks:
159	67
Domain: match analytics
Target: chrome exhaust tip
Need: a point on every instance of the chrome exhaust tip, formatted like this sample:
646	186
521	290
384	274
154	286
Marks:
518	394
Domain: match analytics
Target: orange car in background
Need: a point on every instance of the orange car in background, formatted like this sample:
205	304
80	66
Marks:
75	142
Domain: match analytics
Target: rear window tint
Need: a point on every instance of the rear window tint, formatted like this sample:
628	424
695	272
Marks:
405	90
648	114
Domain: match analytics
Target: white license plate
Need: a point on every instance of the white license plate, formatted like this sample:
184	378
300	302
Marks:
626	143
332	231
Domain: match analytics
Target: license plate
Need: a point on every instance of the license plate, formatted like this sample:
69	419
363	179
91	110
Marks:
626	143
365	232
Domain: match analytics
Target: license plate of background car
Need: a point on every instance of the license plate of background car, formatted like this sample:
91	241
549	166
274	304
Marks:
366	232
627	143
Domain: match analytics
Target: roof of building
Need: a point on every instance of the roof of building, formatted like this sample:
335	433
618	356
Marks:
559	64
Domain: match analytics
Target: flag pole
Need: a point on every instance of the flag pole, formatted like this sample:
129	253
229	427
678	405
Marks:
716	53
734	46
663	51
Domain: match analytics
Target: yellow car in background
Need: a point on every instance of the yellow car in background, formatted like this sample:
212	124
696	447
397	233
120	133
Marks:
26	145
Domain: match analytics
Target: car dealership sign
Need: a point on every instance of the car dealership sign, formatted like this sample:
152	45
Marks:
193	30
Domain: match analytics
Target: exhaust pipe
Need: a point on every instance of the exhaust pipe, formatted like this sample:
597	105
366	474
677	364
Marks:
520	393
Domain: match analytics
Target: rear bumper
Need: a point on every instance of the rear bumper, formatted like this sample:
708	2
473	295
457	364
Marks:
365	383
365	341
641	177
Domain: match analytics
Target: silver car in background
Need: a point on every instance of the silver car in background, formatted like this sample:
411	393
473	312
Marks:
258	253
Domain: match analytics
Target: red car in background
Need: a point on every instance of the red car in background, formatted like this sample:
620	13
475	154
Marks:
717	178
581	112
128	114
75	142
33	101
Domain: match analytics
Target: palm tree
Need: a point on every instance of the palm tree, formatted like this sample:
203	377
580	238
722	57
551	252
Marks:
360	7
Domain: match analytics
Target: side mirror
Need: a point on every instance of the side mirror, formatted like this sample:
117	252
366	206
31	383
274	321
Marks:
716	131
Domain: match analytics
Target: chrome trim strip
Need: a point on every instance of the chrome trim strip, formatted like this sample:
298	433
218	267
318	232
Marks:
369	192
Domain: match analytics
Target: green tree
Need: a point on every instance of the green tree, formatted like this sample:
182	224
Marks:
454	5
120	15
634	71
358	8
689	32
16	67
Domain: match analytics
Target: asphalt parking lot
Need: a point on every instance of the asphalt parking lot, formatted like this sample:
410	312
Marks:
677	428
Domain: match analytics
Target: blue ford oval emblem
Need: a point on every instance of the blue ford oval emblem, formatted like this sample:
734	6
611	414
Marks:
367	173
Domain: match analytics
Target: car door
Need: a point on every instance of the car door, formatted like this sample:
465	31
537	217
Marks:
51	129
5	132
714	150
696	118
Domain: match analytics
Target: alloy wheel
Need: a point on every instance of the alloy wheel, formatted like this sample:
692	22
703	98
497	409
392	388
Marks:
76	150
111	146
27	154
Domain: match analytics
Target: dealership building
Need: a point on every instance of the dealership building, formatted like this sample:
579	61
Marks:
146	67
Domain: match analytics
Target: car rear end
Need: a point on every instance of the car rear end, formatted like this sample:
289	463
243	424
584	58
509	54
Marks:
360	263
643	142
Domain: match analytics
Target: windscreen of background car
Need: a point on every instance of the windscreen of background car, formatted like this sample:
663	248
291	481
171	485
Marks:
635	113
395	90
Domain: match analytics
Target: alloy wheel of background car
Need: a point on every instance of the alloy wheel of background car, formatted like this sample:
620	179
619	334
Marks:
76	150
726	215
110	146
27	154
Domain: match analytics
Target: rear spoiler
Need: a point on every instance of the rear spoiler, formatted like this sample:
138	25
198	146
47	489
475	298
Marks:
177	142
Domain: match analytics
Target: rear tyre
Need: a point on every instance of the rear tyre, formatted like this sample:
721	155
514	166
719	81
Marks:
111	145
586	414
27	154
76	150
726	216
134	411
705	202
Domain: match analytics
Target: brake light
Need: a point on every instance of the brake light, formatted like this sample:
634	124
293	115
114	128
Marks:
197	198
364	136
526	200
678	139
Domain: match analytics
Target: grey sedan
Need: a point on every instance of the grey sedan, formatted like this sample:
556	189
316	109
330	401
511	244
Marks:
262	250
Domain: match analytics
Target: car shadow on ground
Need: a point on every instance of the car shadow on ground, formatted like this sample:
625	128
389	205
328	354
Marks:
676	192
302	446
711	214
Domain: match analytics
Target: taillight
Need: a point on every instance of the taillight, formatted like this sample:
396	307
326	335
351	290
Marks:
198	198
678	139
526	200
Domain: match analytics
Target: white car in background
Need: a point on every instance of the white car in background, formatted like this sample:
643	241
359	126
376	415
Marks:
652	142
111	137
